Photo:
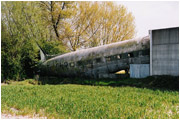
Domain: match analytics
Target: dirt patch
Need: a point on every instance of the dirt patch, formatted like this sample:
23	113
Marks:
14	115
9	116
4	84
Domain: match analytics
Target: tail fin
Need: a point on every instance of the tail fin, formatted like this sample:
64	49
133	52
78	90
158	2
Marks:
42	53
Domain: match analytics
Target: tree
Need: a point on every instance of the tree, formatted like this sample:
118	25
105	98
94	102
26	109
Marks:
117	24
75	32
55	12
98	23
21	27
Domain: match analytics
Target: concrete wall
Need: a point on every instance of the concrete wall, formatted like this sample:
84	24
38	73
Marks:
139	70
164	51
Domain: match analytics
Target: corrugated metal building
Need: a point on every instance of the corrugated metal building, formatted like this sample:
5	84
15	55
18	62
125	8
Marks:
164	51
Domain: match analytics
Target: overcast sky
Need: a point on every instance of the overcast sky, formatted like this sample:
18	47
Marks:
153	15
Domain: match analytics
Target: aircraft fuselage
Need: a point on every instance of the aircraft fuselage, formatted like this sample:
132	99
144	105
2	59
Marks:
98	61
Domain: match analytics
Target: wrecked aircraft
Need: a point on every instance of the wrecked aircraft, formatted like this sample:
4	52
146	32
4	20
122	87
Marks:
97	62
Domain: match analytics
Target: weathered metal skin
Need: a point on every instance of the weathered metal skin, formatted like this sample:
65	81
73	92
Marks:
99	61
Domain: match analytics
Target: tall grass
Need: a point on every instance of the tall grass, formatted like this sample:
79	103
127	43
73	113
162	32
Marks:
83	101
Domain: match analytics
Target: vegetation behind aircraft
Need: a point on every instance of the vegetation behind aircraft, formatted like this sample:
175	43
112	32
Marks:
58	27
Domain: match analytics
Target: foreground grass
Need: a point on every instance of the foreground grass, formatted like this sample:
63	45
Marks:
83	101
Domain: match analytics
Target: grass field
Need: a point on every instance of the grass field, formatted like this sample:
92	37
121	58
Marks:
87	101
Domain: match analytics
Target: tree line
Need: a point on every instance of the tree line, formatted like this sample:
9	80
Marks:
58	27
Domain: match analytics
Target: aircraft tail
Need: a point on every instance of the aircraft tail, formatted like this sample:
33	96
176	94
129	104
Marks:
42	53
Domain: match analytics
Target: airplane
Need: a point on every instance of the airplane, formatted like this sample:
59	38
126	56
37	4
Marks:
97	62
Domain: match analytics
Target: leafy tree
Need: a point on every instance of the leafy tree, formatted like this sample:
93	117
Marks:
75	33
117	23
23	25
98	23
55	13
18	52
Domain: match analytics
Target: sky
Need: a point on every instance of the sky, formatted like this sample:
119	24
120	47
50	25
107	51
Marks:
153	14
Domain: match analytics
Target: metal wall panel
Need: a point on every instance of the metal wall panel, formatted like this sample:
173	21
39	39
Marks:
164	50
139	70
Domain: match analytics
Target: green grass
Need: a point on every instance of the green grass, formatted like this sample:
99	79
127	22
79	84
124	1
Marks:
85	101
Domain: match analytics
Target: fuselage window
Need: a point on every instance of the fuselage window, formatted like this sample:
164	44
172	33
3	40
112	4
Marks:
65	64
118	56
52	65
79	63
145	52
56	63
108	59
72	64
60	64
124	55
89	65
140	52
135	53
98	60
130	55
114	57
